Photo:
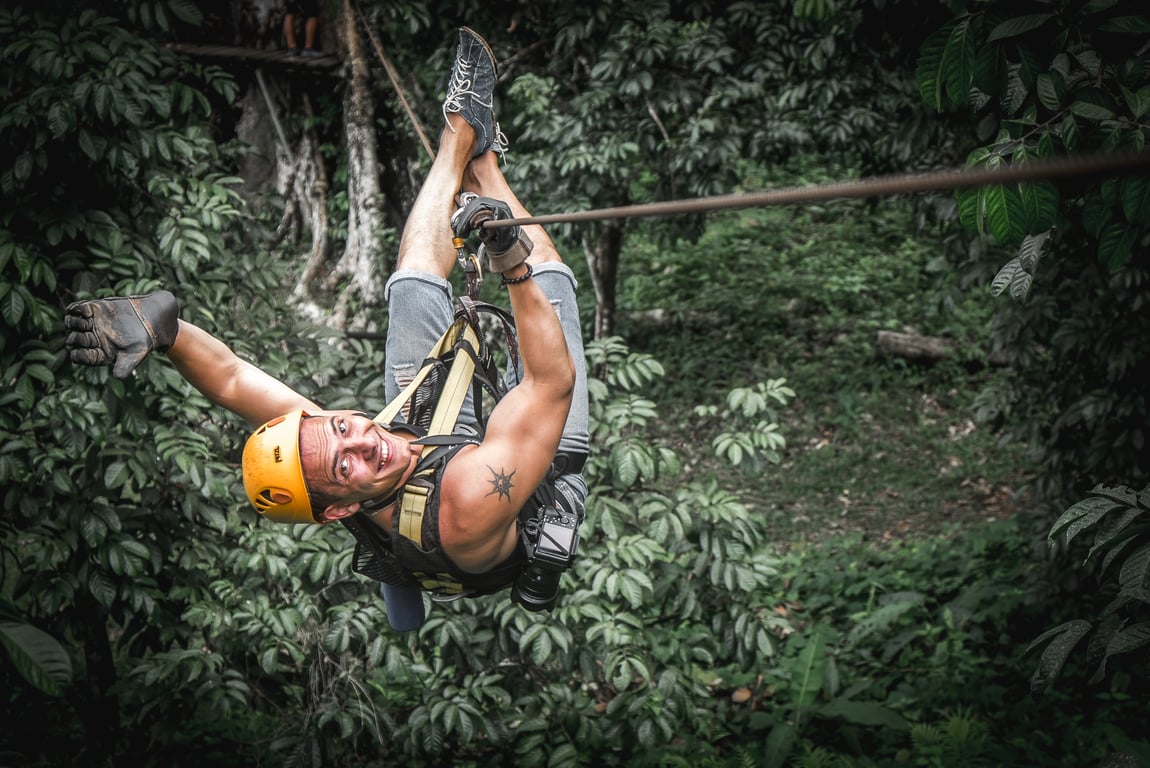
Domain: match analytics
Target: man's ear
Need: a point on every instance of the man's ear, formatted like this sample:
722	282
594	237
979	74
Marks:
335	512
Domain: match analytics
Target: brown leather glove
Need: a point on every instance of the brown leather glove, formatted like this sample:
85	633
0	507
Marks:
122	331
506	247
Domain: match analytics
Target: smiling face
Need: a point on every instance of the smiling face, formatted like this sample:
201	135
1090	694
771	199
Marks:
349	458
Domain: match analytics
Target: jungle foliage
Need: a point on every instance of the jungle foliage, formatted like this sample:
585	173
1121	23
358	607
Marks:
148	617
1049	79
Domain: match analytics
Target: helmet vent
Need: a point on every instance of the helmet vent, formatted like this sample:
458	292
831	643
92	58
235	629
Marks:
270	497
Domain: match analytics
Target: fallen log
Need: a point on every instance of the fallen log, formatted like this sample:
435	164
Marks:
923	349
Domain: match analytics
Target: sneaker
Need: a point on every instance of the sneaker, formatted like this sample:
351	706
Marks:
471	91
311	53
293	51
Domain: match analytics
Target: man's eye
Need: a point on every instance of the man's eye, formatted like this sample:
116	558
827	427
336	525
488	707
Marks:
343	427
343	467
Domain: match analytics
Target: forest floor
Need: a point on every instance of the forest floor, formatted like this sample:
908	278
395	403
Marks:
876	446
891	464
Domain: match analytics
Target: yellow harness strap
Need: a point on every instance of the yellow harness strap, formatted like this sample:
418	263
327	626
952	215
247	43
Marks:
413	500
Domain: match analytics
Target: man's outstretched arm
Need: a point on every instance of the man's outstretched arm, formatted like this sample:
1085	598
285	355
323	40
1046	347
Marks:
227	380
120	332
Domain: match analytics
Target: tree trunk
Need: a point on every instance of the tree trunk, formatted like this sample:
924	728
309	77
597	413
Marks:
313	197
361	260
921	349
602	253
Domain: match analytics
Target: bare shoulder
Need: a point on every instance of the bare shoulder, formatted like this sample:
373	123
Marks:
480	497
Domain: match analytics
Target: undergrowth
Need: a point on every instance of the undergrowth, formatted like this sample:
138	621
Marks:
876	445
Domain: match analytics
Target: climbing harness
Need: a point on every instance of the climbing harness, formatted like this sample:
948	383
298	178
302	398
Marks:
429	406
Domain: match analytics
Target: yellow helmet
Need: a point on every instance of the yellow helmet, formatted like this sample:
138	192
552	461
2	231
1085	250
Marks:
273	472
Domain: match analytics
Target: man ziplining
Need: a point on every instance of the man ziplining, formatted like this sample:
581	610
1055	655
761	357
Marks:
493	503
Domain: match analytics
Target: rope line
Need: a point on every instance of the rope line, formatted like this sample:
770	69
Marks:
878	186
394	77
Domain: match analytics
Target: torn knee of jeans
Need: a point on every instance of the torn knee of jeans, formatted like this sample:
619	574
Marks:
403	374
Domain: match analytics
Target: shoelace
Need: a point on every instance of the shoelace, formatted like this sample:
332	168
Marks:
457	89
460	87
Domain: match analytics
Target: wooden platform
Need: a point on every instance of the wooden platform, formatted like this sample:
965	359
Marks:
328	64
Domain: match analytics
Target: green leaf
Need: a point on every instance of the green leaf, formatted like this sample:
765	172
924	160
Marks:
1092	104
116	474
1126	25
12	305
1051	89
1110	531
1018	26
1137	101
1030	252
1005	277
1039	205
958	61
1079	517
1136	199
186	11
101	587
1129	639
1066	636
972	209
929	73
1096	214
1115	245
1004	214
809	671
1135	572
864	713
779	744
37	656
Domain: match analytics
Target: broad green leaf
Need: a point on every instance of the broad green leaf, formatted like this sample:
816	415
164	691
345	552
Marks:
1111	529
1135	571
1004	214
1115	245
1030	252
1138	102
1005	277
809	669
12	305
779	744
1039	205
116	474
958	61
1096	214
929	73
972	209
1129	639
37	656
1127	25
101	586
1092	104
1136	199
1050	89
864	713
1065	637
1018	26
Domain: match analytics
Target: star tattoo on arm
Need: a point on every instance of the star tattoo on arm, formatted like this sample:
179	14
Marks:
501	484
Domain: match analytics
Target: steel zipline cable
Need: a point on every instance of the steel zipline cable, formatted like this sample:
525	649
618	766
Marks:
1116	164
878	186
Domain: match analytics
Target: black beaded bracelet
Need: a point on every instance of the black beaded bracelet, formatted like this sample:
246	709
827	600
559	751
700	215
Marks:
504	282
